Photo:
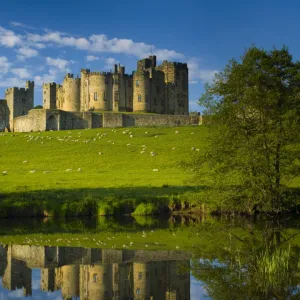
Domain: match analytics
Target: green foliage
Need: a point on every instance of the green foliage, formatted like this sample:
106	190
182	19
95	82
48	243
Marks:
255	108
144	209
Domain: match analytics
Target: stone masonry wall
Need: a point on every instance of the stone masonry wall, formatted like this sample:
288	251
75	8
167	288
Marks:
34	121
53	119
3	115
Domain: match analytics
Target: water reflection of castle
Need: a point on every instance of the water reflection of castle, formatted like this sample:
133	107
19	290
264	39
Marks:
97	273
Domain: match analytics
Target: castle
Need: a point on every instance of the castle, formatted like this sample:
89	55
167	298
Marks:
91	273
76	103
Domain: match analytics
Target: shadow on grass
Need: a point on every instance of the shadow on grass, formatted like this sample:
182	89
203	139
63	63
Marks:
100	201
137	201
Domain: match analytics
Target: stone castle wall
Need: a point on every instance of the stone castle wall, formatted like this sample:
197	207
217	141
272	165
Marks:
4	115
53	119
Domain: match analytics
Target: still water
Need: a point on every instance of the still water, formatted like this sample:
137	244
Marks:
177	258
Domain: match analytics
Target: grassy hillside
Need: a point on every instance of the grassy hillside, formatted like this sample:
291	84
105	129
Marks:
136	163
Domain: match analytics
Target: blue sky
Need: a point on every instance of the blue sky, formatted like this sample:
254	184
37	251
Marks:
42	40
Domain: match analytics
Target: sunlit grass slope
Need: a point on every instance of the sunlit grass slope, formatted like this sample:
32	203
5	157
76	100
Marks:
105	158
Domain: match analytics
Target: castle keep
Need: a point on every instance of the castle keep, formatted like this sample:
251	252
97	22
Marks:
77	102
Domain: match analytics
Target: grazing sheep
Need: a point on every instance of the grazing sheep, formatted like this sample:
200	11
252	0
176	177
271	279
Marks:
46	172
79	170
193	148
32	171
25	161
155	170
4	172
176	131
68	170
100	153
197	149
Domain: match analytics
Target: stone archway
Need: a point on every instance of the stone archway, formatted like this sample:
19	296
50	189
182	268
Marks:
52	123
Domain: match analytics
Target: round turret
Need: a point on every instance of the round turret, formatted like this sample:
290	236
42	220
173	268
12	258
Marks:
141	89
71	87
100	86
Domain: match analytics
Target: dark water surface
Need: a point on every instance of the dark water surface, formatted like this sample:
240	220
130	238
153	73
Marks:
194	258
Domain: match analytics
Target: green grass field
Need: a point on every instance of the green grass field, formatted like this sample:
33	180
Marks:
98	163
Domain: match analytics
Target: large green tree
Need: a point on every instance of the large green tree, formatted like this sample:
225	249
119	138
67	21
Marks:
254	106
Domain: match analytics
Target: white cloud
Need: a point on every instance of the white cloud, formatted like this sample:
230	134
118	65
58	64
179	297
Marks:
101	43
91	58
50	77
109	63
19	24
4	65
196	73
24	53
22	73
8	38
59	63
11	82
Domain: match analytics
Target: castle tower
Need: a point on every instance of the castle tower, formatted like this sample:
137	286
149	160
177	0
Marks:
49	95
84	89
128	83
141	91
19	101
176	80
96	282
47	280
96	90
141	280
69	281
71	89
157	101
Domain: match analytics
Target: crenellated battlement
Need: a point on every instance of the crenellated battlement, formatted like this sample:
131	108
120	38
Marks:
69	75
171	64
85	71
49	84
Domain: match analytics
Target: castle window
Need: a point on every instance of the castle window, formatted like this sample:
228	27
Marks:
23	100
140	98
137	83
95	96
140	275
94	277
104	96
138	291
116	80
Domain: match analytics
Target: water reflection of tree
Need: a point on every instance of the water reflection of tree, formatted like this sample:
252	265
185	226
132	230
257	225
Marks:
255	264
